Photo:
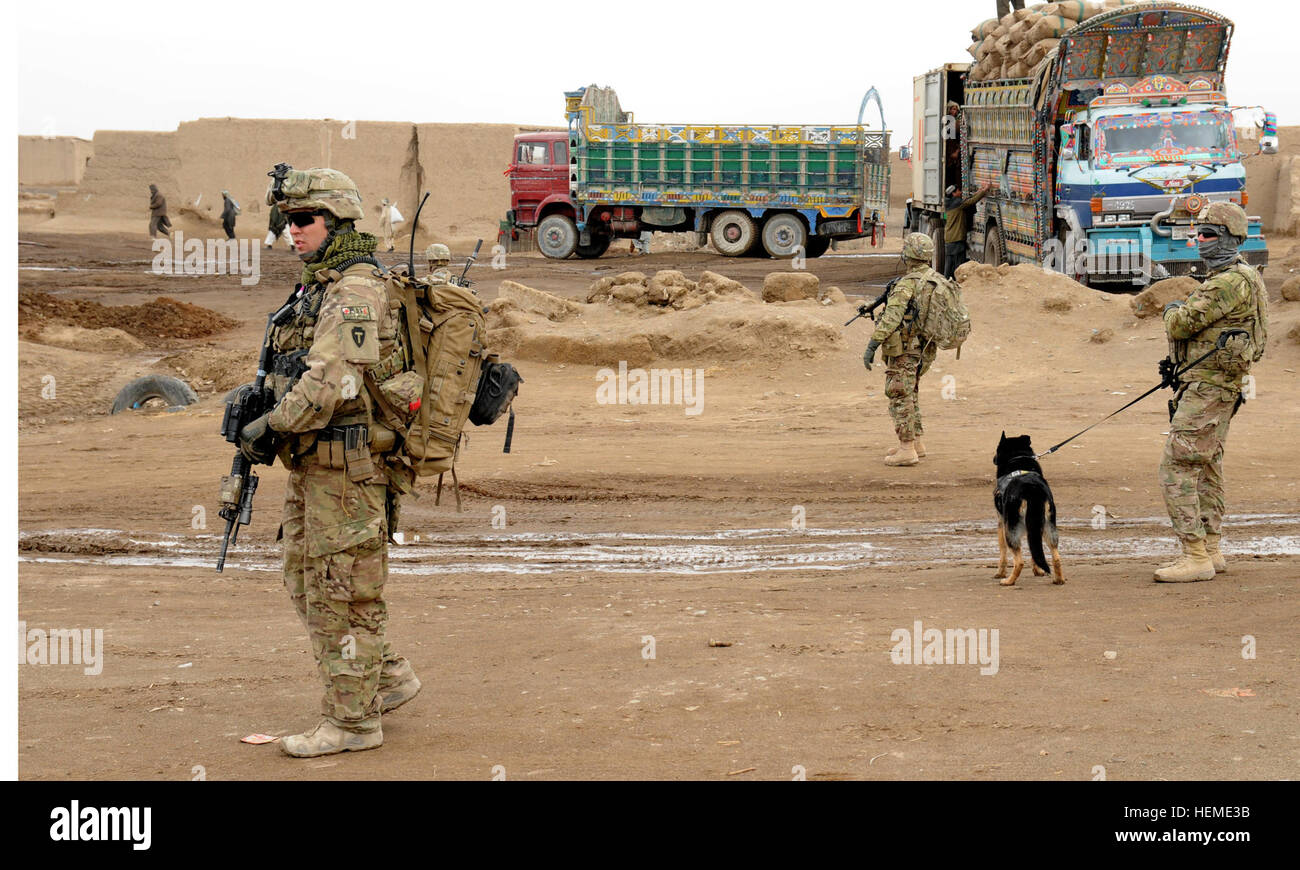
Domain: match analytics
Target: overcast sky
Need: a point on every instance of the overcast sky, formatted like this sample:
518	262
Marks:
148	66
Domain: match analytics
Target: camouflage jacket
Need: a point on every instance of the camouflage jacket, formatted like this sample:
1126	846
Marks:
348	330
896	328
1230	298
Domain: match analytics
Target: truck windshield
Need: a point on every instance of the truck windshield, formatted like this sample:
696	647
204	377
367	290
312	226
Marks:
1154	137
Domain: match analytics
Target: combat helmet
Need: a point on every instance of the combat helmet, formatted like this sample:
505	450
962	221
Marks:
325	189
918	246
1228	215
437	253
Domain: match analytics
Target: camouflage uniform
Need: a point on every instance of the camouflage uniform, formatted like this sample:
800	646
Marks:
907	356
1191	470
341	498
335	522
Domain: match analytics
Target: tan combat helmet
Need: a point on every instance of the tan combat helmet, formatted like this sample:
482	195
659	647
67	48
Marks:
325	189
1228	215
919	247
437	255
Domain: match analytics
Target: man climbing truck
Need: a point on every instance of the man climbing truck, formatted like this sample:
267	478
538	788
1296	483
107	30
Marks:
790	189
1100	157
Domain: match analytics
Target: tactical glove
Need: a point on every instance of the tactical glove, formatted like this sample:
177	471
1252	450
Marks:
257	441
870	355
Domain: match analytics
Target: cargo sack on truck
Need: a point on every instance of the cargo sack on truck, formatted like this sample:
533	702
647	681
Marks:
941	316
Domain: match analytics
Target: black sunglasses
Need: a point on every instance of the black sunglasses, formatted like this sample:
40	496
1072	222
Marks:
302	219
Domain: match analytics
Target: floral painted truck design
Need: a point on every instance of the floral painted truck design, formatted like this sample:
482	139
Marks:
1100	158
783	189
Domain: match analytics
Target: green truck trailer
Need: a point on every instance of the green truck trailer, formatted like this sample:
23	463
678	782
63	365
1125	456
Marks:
790	188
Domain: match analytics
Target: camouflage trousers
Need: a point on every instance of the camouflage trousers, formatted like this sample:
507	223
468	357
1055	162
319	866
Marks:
902	388
1191	471
335	564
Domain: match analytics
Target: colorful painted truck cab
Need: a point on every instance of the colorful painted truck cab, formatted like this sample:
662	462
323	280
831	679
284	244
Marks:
788	188
1100	159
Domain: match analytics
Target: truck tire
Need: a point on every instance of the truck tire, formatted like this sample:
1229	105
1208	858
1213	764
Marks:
733	233
817	245
171	390
557	237
784	235
994	255
598	246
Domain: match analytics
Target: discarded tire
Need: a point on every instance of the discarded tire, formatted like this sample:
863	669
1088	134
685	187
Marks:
171	390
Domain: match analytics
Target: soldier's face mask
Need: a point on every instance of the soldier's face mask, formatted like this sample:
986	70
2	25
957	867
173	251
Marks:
1216	245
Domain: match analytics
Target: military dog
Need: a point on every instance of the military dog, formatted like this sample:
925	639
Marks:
1021	487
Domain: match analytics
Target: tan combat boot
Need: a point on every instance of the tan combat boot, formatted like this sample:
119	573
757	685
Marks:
904	455
398	687
327	738
1195	565
1212	550
920	449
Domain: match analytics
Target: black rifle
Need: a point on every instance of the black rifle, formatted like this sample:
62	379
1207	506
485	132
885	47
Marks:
250	402
463	281
1170	376
865	310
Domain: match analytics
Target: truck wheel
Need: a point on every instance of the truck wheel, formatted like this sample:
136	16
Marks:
817	245
993	253
598	246
783	235
557	237
172	391
733	233
940	254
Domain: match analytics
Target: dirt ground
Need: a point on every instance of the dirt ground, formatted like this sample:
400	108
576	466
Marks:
578	641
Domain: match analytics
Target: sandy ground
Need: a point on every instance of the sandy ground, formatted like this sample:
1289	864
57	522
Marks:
574	642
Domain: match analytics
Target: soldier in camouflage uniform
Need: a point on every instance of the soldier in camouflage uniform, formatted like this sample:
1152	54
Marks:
439	257
1191	471
344	480
906	353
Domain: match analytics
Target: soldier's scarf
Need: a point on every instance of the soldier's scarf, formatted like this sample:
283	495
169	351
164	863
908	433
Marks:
1220	252
345	246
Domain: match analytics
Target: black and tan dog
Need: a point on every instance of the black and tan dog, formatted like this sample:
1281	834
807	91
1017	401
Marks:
1024	504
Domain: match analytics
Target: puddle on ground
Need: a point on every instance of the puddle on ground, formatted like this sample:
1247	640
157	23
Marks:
708	552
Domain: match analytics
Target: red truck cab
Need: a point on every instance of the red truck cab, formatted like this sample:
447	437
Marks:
539	178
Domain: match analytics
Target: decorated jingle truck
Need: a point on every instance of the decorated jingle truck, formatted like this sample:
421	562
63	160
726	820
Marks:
1100	158
786	188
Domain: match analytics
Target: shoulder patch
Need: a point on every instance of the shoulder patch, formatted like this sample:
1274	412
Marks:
357	312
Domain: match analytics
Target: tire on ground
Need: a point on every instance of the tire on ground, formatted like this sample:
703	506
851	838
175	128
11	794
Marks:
817	245
733	233
940	254
993	252
171	390
784	235
598	246
557	237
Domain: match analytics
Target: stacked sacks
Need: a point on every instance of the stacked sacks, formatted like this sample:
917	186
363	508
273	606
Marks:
1012	47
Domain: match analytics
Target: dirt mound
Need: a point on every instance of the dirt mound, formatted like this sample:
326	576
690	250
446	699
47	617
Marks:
1152	301
668	288
548	305
790	286
1024	285
105	340
628	325
163	318
209	370
1291	289
1294	334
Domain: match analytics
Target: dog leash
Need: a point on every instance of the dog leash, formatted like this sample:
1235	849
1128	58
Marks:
1168	382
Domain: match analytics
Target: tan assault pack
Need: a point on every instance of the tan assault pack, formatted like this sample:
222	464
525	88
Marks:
430	400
